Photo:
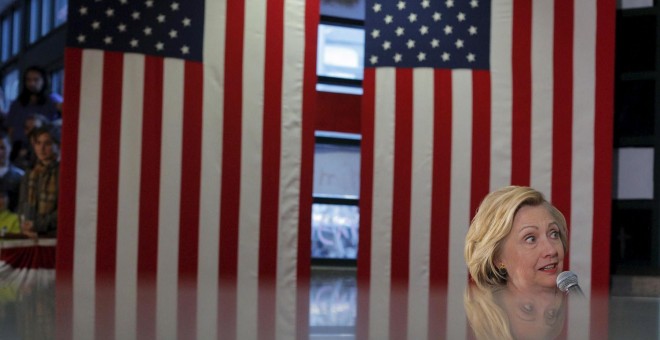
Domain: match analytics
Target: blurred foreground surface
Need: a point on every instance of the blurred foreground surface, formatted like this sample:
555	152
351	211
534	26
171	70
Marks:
28	308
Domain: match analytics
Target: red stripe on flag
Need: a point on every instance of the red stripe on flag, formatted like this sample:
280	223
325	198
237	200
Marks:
67	194
403	131
481	106
521	76
600	252
231	169
562	122
106	235
149	197
190	198
270	171
366	202
312	9
440	203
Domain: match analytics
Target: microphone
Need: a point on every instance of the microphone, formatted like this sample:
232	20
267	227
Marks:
568	282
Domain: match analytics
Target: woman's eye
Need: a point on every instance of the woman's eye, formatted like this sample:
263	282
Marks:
530	239
554	234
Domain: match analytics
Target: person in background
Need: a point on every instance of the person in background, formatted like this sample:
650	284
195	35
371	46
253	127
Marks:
37	206
9	224
517	240
10	175
35	98
22	154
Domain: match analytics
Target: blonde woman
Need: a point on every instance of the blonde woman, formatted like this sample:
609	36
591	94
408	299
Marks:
516	240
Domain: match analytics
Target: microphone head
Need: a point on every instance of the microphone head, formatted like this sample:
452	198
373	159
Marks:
566	280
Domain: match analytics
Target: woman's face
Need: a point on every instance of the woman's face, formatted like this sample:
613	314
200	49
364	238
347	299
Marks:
33	81
533	253
45	148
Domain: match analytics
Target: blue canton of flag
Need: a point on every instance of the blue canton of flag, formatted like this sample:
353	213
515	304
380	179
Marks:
172	29
428	33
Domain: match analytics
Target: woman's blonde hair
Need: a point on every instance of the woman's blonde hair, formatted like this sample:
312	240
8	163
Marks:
493	223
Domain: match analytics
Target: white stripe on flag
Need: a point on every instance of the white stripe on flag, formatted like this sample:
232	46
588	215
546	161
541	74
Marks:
501	95
542	89
420	205
582	194
84	262
584	106
169	198
251	165
211	172
381	224
290	168
459	213
129	197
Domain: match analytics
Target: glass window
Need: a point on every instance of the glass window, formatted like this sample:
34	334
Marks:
626	4
335	211
351	9
635	108
10	88
337	171
35	9
634	173
632	238
635	43
16	33
46	16
60	11
6	37
340	52
335	231
57	80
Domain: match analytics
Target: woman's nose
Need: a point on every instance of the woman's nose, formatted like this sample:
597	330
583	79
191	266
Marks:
549	247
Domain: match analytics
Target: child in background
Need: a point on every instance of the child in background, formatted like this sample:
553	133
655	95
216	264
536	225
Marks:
9	224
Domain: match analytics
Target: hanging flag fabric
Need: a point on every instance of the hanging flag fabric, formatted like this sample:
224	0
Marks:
461	98
186	186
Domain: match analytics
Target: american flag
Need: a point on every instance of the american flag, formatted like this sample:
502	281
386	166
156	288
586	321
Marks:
449	116
186	169
449	34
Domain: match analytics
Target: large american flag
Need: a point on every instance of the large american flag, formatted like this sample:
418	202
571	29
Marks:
462	97
185	203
